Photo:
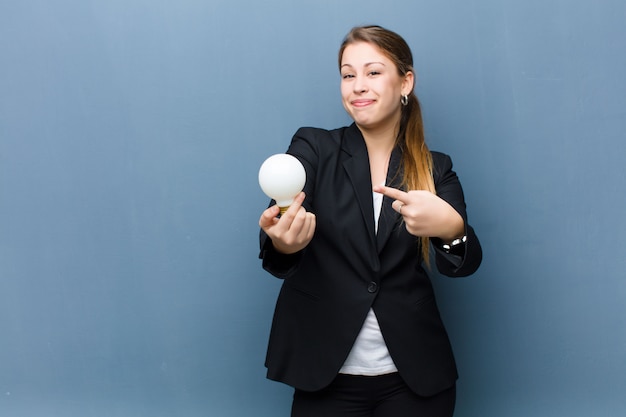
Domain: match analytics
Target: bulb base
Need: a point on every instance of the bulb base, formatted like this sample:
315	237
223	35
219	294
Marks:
283	210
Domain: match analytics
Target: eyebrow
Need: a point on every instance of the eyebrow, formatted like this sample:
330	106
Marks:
366	65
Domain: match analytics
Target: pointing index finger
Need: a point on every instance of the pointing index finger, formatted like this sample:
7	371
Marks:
391	192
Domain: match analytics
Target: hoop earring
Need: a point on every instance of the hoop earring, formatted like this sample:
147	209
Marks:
404	99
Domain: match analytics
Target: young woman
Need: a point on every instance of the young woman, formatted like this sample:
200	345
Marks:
356	329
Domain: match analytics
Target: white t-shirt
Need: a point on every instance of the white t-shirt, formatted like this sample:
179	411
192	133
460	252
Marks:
369	355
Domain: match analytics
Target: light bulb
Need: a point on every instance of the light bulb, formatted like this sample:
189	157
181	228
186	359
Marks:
282	177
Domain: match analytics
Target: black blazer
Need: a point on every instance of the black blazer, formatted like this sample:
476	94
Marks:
347	268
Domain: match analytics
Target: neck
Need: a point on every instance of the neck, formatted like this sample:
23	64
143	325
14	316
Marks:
379	144
381	140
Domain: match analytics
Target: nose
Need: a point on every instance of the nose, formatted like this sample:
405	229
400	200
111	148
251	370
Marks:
360	85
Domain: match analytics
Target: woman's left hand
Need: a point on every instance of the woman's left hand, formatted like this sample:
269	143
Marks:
425	214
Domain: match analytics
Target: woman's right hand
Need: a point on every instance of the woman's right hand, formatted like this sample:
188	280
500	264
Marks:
293	230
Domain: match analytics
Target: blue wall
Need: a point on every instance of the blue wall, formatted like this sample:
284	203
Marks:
131	132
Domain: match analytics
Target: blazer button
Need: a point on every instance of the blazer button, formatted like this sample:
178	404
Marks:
373	287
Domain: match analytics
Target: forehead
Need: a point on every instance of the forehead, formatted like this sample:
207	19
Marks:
360	53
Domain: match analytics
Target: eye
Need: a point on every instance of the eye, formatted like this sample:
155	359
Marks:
346	76
374	73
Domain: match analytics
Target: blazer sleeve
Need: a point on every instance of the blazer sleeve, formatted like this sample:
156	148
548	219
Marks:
276	263
449	188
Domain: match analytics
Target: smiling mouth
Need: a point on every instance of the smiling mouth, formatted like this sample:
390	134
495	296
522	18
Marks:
362	103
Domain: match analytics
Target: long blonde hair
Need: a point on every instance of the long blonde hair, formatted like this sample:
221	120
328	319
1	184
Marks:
417	161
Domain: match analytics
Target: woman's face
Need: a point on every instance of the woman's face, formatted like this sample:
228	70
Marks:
371	87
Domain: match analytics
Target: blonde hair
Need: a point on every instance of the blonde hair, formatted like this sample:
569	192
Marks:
417	161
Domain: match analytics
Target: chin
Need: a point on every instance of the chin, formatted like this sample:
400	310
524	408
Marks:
364	123
360	120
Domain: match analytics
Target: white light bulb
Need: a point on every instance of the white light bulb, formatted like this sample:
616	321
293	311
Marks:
282	177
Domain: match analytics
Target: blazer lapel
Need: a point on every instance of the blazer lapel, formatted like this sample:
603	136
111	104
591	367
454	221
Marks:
357	168
389	218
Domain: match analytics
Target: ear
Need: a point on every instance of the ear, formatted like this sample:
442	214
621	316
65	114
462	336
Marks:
408	83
